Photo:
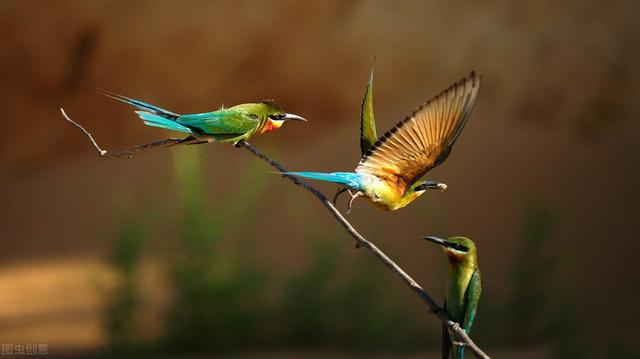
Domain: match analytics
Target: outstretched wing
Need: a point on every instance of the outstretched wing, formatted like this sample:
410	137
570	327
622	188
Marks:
222	122
423	140
368	134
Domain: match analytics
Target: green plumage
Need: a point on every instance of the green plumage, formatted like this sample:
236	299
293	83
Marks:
232	124
368	134
463	288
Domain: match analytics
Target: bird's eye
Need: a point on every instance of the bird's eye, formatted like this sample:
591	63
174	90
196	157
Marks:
460	247
277	117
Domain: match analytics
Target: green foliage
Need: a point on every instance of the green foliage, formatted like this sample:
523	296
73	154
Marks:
531	276
306	303
218	301
221	303
539	309
320	308
124	300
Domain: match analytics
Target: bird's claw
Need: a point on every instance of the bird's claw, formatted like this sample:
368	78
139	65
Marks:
454	328
335	197
353	197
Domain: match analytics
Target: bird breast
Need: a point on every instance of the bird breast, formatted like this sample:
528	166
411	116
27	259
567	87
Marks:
271	125
383	196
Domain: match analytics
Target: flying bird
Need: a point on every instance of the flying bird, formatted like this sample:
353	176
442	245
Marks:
391	166
233	124
463	289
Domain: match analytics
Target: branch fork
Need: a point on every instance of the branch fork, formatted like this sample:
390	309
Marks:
434	308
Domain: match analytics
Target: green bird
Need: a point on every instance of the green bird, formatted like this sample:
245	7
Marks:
391	166
233	124
463	288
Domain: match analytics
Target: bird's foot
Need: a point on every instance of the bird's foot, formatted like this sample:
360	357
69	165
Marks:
353	197
341	190
454	328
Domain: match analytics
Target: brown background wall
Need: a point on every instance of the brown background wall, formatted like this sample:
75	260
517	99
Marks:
557	120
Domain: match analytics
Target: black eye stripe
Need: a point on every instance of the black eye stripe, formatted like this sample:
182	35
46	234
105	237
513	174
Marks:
277	117
460	247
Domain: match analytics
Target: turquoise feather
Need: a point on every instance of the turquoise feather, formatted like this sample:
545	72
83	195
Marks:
154	120
232	124
349	179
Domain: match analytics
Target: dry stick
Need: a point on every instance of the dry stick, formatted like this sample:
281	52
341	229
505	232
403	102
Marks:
360	240
129	153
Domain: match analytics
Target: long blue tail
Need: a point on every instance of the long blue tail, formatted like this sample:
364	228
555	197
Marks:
152	115
349	179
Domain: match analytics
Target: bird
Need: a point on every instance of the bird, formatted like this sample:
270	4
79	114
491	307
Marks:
388	174
232	124
463	288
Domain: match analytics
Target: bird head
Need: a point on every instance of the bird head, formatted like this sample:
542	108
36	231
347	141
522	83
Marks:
276	116
415	191
459	250
420	187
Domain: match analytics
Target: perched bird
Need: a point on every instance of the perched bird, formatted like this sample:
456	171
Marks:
390	168
463	288
231	124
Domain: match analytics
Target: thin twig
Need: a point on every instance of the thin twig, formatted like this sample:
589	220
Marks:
359	239
129	153
362	242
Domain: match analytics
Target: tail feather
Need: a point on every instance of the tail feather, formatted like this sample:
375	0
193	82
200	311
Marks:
151	115
449	351
141	105
349	179
154	120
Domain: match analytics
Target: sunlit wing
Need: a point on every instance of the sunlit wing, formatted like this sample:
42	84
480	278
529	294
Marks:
423	140
220	122
368	134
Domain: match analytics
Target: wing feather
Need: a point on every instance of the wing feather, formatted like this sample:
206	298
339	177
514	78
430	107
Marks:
472	299
221	122
422	140
368	134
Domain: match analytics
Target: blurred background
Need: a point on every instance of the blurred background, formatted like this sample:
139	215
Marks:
204	251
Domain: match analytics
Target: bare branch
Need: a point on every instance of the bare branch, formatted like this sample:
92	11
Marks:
129	153
362	242
359	239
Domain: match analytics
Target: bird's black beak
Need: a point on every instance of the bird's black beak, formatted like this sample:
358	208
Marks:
290	116
437	240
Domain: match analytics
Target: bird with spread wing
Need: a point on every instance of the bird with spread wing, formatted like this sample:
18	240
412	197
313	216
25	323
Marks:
391	166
